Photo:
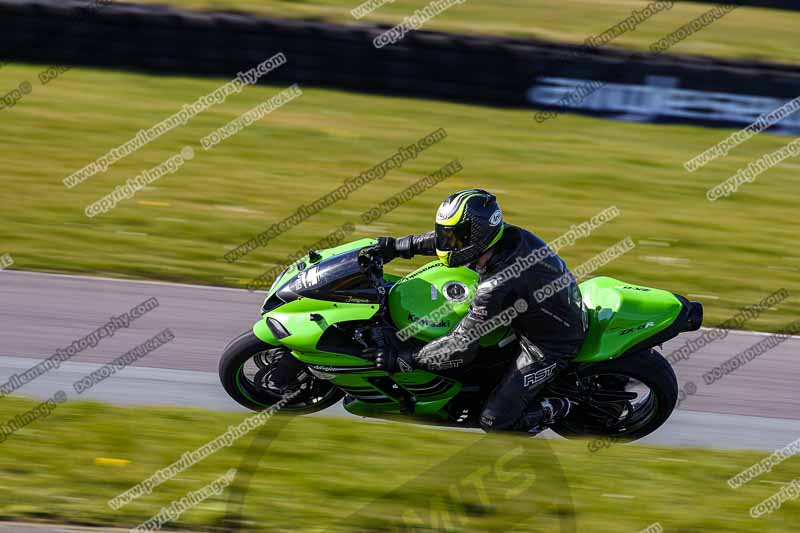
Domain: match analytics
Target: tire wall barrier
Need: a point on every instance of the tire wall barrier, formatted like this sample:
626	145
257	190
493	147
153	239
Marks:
483	70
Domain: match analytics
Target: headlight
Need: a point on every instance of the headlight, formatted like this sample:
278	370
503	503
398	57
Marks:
277	329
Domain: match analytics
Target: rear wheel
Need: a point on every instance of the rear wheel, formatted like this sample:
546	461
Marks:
245	368
625	398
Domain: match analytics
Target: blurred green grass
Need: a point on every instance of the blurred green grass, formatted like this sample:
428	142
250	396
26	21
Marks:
753	33
332	474
547	176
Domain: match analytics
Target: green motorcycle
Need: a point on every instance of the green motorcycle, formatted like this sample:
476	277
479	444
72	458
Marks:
333	307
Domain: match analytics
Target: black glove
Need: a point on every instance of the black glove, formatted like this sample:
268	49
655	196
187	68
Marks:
384	248
392	360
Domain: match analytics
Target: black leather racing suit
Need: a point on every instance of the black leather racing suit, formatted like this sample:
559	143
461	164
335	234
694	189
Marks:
550	332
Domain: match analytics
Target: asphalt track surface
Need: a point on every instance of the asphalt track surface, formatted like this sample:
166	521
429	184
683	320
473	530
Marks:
756	407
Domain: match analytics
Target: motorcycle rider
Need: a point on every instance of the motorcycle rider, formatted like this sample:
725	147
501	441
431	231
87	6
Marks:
470	231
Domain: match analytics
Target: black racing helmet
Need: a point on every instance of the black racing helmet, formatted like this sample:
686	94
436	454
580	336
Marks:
467	224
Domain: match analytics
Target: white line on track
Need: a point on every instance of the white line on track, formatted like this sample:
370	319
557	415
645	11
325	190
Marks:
130	372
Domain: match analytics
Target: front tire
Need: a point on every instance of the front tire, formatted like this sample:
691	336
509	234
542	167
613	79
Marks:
314	394
638	416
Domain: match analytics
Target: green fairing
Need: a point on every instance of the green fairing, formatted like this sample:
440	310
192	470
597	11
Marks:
425	405
261	331
620	316
306	333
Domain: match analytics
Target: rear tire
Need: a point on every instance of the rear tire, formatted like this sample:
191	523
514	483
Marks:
316	396
649	368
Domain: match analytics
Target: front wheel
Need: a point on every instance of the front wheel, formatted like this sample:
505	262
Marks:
244	370
622	399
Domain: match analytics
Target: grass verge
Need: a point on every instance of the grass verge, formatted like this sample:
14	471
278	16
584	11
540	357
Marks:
322	474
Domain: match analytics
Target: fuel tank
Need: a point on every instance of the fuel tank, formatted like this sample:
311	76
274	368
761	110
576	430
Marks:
428	303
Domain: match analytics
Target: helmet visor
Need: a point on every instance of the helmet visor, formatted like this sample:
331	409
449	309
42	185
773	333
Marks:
452	238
